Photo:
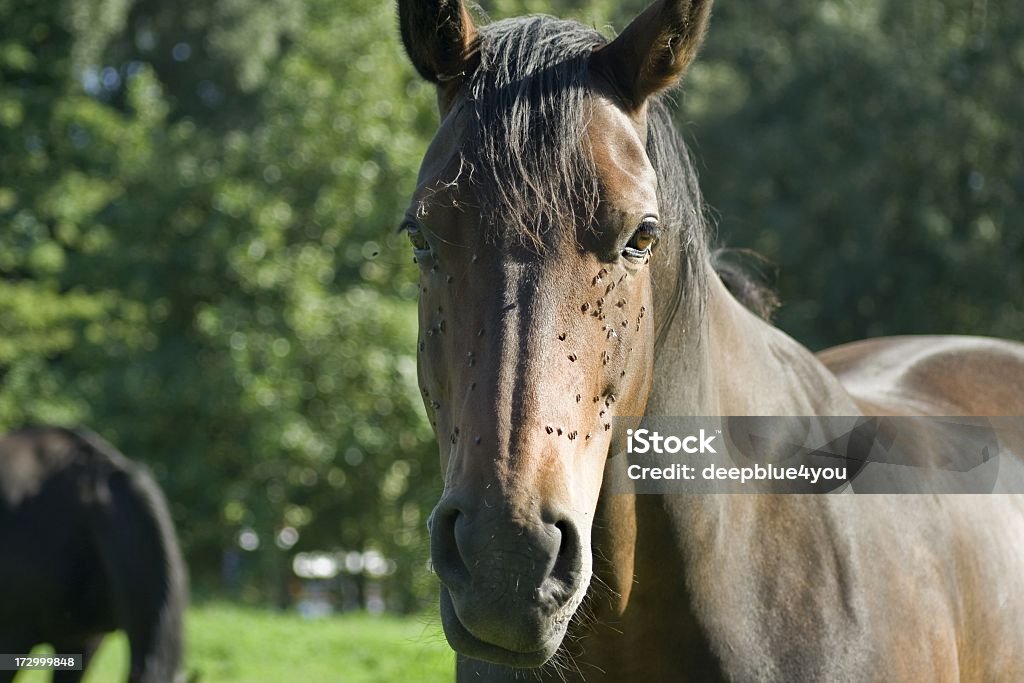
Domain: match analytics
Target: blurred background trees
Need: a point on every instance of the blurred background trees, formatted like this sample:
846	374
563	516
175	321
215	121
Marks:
198	256
873	151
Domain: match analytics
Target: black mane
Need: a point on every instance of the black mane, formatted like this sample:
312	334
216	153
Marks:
524	148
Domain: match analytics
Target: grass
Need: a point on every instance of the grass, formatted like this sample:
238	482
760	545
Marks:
231	644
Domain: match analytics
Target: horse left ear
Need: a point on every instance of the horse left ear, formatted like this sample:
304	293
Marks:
653	52
440	39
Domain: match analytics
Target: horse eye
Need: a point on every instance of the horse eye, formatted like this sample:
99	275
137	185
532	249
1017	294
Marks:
643	240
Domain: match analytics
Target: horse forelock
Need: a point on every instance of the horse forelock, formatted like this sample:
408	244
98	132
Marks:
526	155
530	167
525	150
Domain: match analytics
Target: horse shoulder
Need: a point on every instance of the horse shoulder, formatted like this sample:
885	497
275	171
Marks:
944	376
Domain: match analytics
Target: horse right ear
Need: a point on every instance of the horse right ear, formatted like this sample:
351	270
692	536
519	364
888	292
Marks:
440	39
653	52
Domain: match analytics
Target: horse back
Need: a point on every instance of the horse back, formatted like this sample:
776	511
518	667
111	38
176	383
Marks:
931	375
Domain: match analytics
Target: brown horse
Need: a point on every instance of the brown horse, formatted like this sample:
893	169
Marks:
566	279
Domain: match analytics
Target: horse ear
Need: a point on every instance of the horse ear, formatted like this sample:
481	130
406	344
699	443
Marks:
655	49
439	37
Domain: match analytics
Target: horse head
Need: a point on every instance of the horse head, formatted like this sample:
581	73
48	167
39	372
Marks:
540	231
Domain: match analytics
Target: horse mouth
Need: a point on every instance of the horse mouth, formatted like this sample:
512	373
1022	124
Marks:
467	644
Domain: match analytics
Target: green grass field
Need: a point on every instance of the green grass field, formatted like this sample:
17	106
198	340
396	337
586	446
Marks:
230	644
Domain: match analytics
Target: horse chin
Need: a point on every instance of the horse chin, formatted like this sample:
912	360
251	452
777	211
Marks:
465	643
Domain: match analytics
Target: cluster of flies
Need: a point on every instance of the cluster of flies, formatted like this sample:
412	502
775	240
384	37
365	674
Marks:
597	310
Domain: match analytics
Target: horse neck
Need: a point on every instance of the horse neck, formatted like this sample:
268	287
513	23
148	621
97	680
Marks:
718	358
714	358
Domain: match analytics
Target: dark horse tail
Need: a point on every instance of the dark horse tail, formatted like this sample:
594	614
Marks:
135	536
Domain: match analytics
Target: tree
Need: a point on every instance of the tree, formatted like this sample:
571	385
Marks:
870	151
226	298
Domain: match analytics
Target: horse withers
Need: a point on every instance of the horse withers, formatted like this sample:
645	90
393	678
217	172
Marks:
566	280
87	546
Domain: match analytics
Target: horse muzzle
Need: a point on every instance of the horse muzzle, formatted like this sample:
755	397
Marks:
510	584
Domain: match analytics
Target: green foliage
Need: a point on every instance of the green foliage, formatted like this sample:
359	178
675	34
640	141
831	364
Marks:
872	150
212	280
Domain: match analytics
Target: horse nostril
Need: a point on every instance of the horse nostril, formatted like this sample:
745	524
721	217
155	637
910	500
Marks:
568	562
446	556
471	552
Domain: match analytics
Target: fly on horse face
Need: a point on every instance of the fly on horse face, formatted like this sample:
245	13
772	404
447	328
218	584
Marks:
565	280
87	546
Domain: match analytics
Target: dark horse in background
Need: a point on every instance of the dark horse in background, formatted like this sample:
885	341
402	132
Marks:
566	279
87	546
